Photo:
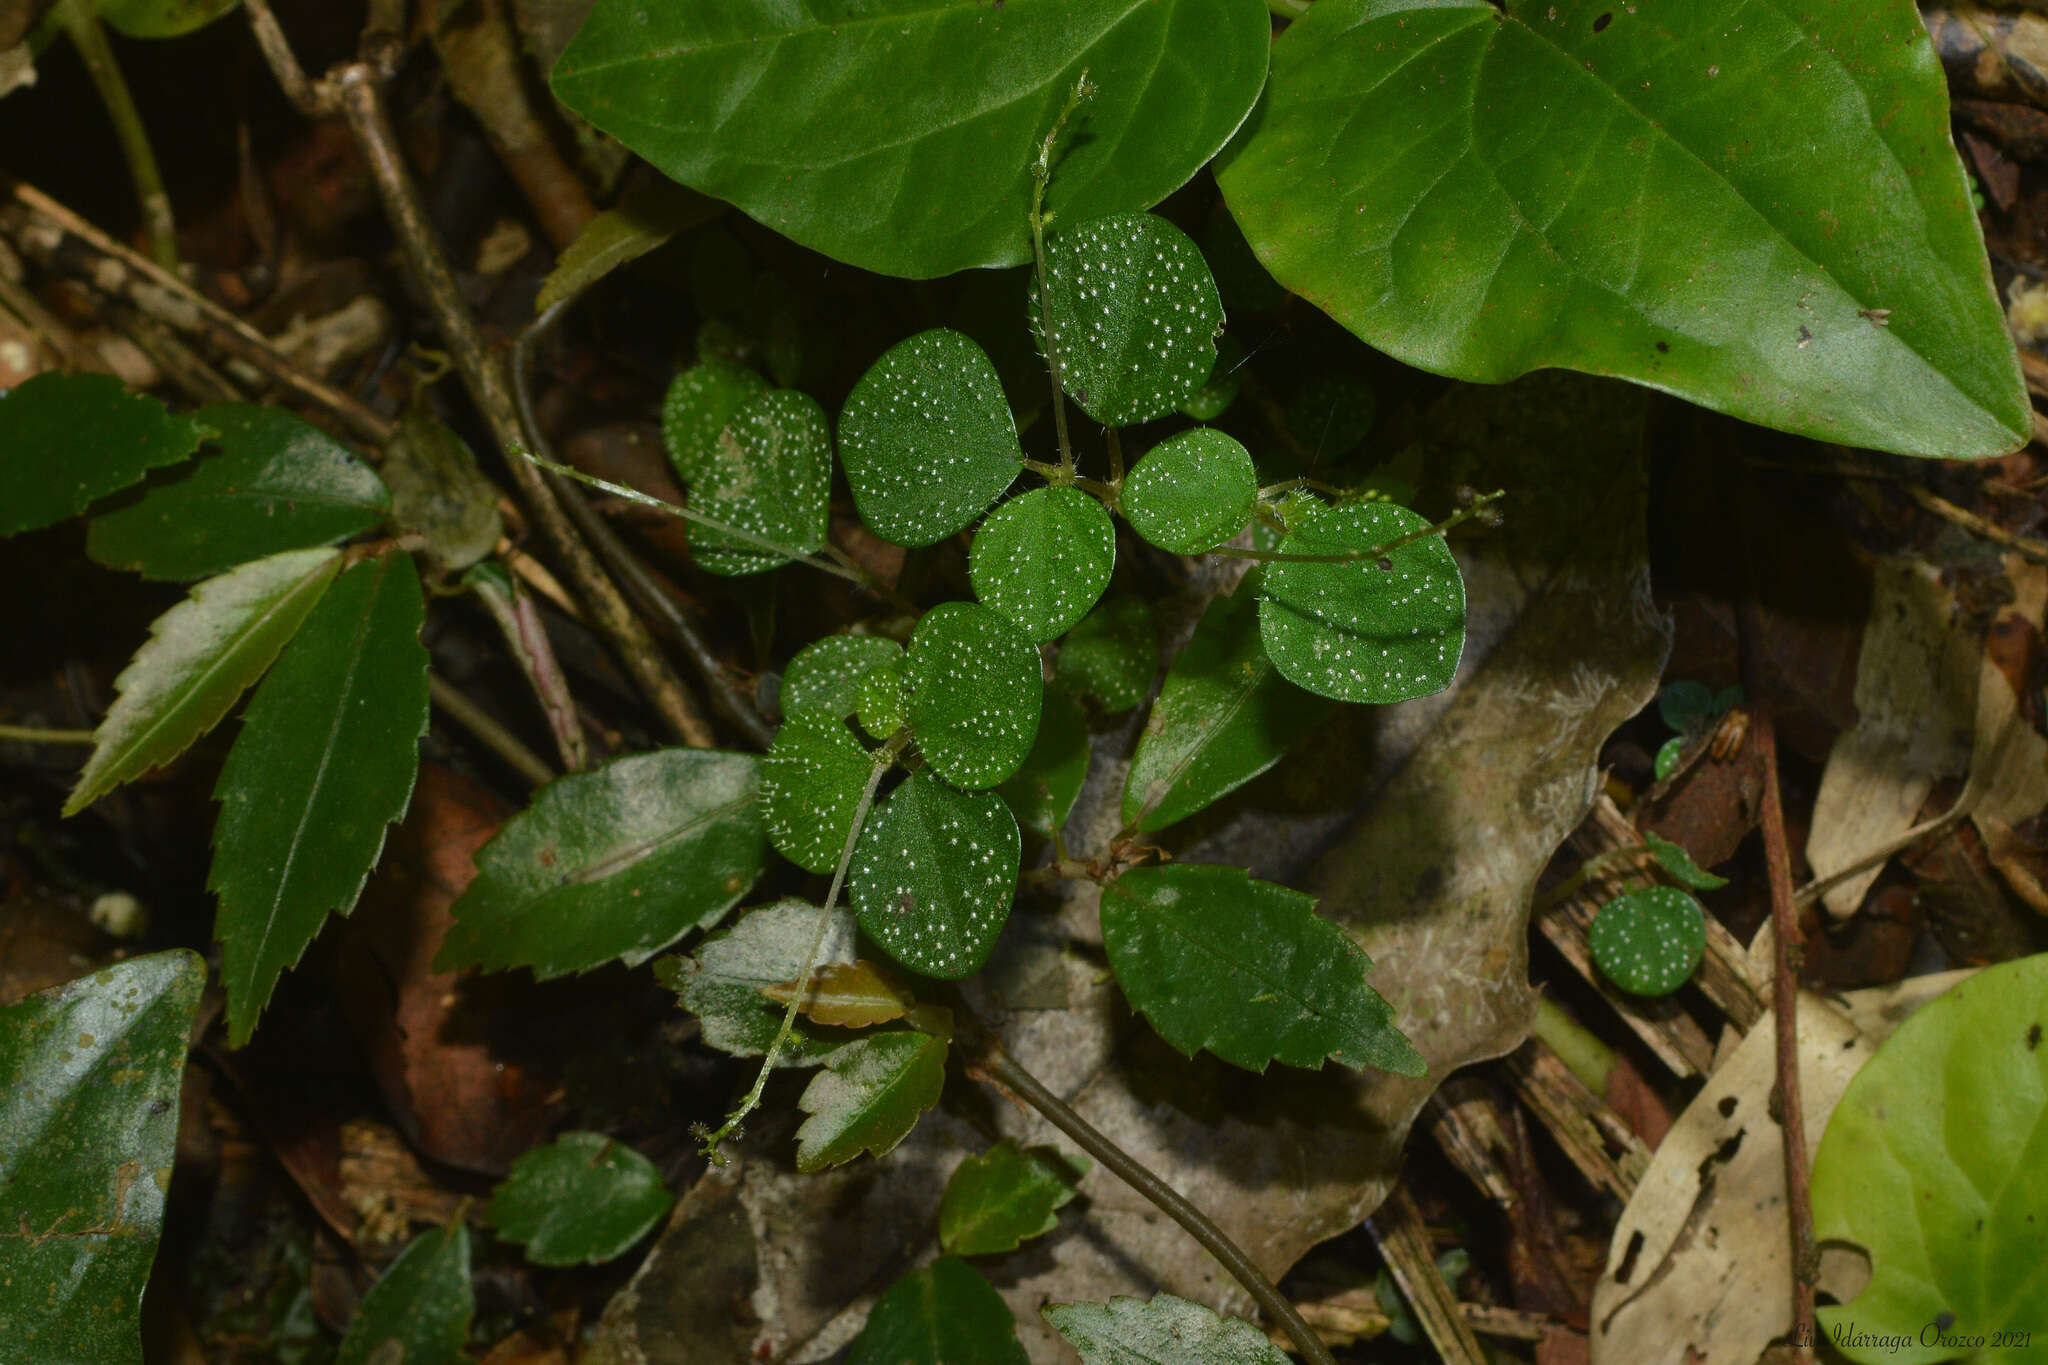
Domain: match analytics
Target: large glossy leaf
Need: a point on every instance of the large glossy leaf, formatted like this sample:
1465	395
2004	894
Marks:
614	864
927	438
1933	1164
277	483
200	656
811	785
1751	206
1043	559
68	440
769	475
325	761
869	1096
941	1314
1162	1330
898	137
1246	969
1223	717
1003	1198
582	1199
88	1124
975	688
725	983
934	874
418	1312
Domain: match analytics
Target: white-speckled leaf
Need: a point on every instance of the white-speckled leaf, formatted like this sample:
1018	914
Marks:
1043	559
1648	942
869	1097
934	876
1134	316
724	983
927	438
811	783
1191	492
769	474
825	675
975	688
884	695
1364	630
700	401
1162	1330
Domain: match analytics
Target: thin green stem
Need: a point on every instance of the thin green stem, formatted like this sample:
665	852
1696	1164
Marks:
29	734
1001	1068
1115	442
1443	527
884	757
1041	177
1590	1059
81	20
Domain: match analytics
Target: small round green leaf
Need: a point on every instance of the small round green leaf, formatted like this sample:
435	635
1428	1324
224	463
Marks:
1113	654
1379	629
825	675
884	697
927	438
1043	791
941	1314
1003	1198
699	403
934	875
975	687
1133	316
1648	942
1192	492
581	1200
770	475
811	782
1043	559
1668	755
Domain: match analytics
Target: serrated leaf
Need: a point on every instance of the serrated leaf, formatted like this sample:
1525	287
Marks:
324	763
1043	559
869	1097
1932	1165
975	688
725	983
811	784
1224	716
1112	654
68	440
1648	942
646	216
583	1199
200	656
770	475
161	18
1676	861
88	1128
1246	969
1003	1198
418	1312
1758	209
700	401
1380	629
278	483
1191	492
1133	316
941	1314
934	874
825	675
1043	791
846	995
927	438
1162	1330
901	140
613	864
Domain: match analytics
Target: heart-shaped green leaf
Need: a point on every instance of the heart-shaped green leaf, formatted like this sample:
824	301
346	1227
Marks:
277	483
325	762
68	440
941	1314
927	438
1648	942
769	475
583	1199
811	784
901	139
1246	969
1932	1164
1374	629
1755	208
1042	792
419	1310
725	983
825	675
934	874
88	1129
1043	559
975	687
613	864
1191	492
869	1097
1003	1198
1133	316
1223	717
200	656
700	401
1162	1330
1113	654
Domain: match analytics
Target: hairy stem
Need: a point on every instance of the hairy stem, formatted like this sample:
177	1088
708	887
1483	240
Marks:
81	20
1443	527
